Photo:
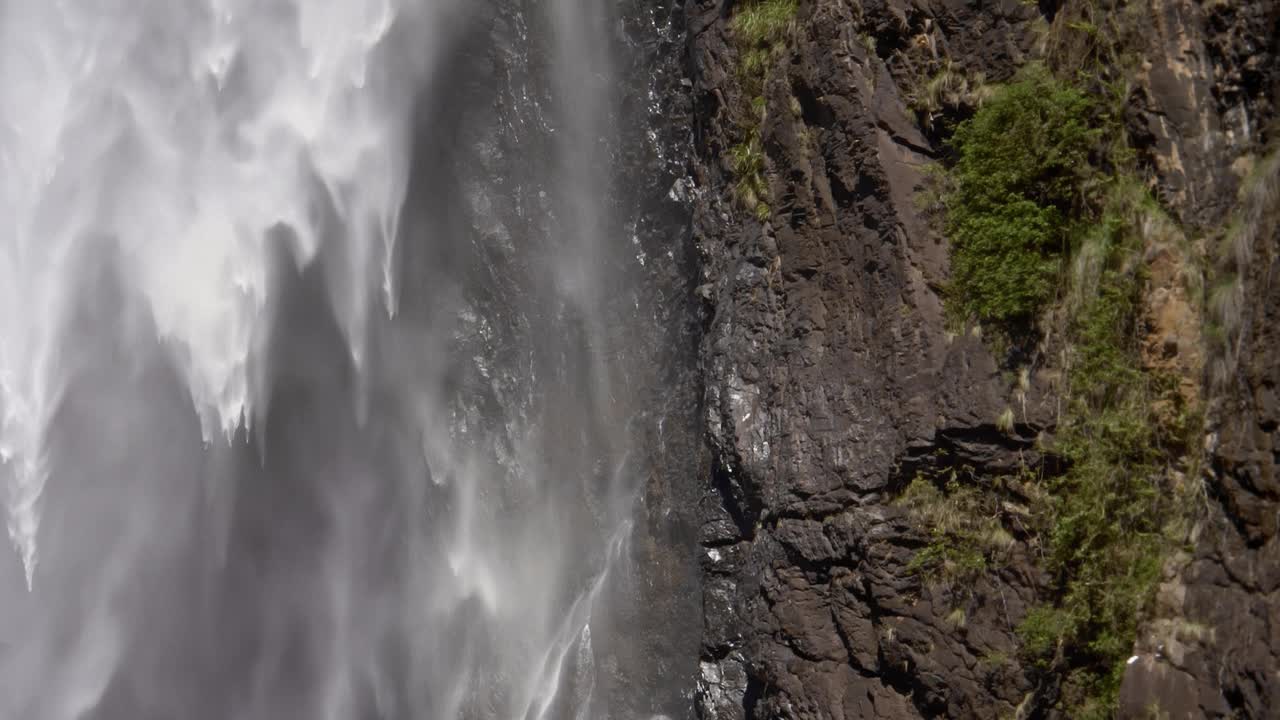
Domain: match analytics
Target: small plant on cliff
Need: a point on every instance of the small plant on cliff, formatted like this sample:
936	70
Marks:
1257	215
950	91
966	535
748	166
1016	185
760	29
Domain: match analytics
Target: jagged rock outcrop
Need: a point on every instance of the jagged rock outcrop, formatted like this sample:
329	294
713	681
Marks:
831	380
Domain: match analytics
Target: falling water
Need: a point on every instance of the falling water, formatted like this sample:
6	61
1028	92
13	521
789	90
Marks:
327	360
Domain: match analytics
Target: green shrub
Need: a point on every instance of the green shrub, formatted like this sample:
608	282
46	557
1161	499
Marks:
1021	199
1110	511
1042	179
1005	261
1041	630
1016	186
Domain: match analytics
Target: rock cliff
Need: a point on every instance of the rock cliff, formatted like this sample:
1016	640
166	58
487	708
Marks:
833	378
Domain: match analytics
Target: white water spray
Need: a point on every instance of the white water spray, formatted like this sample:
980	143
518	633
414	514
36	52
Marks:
190	136
383	233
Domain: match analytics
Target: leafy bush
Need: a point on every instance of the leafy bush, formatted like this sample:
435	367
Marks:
1022	198
1005	261
1041	630
1017	183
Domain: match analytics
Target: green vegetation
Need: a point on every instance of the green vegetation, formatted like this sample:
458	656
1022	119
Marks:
748	166
1047	223
1093	41
760	29
1014	194
993	660
1106	520
948	90
967	536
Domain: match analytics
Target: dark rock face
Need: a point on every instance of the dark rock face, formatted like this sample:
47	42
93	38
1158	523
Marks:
830	380
651	626
1204	98
1210	649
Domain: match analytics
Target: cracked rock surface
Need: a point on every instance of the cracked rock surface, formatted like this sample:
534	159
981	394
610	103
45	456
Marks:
830	380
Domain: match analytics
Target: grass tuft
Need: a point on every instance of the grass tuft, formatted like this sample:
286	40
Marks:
966	535
760	30
763	23
1257	217
949	89
751	188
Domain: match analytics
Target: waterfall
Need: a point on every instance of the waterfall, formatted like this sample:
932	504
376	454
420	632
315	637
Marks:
328	359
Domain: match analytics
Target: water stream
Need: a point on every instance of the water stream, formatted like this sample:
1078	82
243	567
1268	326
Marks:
330	375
